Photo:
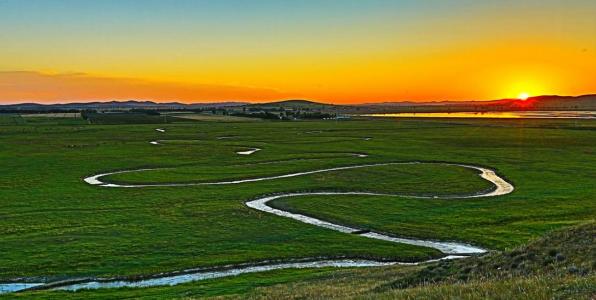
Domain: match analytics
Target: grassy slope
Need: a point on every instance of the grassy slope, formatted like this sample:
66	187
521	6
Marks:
535	288
63	227
570	251
559	265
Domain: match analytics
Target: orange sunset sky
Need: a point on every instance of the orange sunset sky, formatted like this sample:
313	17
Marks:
329	51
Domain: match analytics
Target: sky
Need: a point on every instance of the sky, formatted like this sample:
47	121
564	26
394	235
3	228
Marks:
342	51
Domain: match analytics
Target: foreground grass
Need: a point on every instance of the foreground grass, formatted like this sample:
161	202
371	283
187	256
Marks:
541	287
536	288
560	265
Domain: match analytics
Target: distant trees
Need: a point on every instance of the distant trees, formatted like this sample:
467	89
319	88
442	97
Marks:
151	112
262	115
285	115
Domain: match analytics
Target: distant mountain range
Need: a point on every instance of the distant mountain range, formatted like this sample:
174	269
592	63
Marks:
584	102
131	104
295	104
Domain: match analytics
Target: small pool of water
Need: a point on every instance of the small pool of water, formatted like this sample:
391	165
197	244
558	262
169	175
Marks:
15	287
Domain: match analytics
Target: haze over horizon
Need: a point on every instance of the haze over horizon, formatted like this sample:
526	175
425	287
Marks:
327	51
231	101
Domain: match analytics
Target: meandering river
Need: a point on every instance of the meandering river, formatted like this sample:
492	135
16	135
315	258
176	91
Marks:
453	250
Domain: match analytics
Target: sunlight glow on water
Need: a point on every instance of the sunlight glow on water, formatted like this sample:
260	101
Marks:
498	115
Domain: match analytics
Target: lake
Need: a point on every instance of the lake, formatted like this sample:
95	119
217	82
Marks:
498	115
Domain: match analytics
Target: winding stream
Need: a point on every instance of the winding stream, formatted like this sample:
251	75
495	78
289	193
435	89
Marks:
454	250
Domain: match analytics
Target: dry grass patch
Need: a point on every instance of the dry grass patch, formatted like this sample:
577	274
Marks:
53	115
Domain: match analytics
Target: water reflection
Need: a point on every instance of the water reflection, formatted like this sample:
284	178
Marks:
498	115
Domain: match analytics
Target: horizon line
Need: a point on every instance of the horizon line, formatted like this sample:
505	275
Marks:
283	100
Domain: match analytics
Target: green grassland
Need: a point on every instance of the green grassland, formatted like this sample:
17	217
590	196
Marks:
560	265
54	226
11	119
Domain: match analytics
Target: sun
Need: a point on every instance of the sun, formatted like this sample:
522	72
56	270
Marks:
523	96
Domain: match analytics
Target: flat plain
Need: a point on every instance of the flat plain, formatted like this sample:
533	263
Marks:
54	226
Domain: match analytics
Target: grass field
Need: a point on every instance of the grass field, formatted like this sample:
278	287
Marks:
11	119
560	265
54	226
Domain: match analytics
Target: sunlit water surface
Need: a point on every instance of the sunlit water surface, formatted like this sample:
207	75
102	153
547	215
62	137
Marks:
498	115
